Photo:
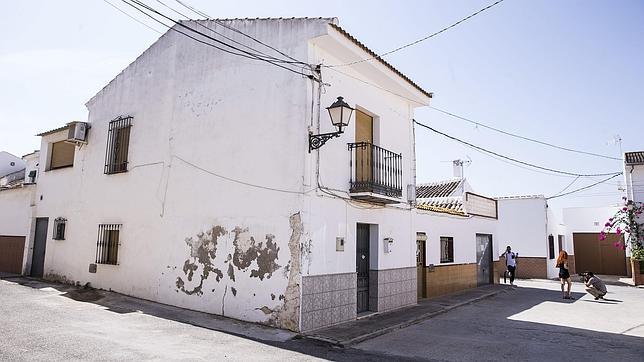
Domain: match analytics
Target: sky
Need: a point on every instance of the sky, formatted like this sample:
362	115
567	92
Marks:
568	73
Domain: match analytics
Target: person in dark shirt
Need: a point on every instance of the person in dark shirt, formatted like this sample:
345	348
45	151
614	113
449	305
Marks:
595	286
564	274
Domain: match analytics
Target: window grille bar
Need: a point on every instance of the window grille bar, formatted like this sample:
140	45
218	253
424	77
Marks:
118	139
108	241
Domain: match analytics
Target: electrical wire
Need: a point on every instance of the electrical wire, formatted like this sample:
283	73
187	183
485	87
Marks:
241	182
257	52
510	158
568	186
583	188
201	13
476	123
133	18
242	53
419	40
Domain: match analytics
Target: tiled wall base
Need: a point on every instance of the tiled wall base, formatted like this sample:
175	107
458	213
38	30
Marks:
392	288
447	279
327	300
530	267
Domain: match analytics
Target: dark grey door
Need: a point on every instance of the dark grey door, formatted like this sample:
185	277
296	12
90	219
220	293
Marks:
362	266
483	258
40	241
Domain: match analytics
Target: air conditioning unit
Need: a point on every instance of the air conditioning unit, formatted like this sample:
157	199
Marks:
77	132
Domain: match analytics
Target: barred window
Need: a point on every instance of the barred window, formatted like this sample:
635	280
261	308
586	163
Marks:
107	246
59	228
447	249
118	140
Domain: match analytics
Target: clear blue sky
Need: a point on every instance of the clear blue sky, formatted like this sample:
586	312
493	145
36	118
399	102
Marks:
569	73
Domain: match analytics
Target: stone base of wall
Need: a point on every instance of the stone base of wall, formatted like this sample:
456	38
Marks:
499	269
571	264
532	268
327	300
637	272
447	279
392	288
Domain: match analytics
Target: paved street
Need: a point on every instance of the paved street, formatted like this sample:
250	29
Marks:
531	323
42	321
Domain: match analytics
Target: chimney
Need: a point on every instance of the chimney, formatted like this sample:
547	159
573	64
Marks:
458	168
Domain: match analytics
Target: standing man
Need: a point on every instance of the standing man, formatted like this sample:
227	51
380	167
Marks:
511	263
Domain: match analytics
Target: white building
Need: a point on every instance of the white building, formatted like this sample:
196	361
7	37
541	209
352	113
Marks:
457	237
195	184
17	207
634	174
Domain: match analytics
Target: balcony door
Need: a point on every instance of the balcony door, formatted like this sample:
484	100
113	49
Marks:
364	133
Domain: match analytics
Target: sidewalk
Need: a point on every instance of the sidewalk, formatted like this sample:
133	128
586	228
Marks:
347	334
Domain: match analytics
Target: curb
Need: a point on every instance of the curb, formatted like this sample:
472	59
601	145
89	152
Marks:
407	323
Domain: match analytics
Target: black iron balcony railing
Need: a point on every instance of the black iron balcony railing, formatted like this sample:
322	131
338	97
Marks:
375	169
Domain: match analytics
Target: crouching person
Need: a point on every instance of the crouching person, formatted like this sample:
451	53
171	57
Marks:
595	286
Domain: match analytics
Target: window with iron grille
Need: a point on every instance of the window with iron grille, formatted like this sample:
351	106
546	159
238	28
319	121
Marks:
59	228
107	246
118	140
447	249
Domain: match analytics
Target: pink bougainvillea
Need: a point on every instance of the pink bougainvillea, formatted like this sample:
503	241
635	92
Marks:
627	222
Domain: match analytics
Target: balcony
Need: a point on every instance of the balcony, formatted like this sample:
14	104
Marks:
376	173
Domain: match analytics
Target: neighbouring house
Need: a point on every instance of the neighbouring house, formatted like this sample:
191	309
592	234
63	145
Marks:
198	181
457	243
530	227
17	192
592	253
634	175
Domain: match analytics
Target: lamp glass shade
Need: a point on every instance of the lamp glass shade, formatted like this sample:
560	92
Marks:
340	113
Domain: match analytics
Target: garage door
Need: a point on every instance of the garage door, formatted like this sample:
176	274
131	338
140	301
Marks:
599	256
11	252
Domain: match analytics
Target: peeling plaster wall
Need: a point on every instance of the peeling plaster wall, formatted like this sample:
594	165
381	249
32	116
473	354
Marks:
206	128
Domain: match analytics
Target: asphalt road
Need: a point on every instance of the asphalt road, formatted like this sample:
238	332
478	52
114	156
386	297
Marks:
41	321
531	323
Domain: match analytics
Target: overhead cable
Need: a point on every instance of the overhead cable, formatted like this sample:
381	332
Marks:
585	187
513	159
257	52
132	17
240	52
201	13
419	40
476	123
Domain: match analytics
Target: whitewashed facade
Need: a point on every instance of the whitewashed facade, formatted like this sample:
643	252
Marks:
223	209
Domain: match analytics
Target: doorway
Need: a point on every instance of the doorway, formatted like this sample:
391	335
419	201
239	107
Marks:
40	241
420	265
599	256
483	259
362	267
364	133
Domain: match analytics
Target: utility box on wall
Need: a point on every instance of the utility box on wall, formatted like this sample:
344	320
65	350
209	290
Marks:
339	243
388	244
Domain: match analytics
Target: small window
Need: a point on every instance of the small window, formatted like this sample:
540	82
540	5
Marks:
447	249
59	228
107	246
118	140
62	155
560	239
551	246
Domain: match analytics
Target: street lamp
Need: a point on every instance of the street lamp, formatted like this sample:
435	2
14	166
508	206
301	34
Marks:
340	113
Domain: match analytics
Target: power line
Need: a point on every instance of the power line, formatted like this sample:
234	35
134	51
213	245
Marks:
568	186
201	13
132	17
476	123
257	52
585	187
419	40
243	53
510	158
